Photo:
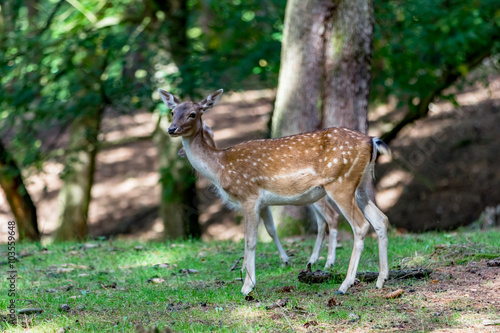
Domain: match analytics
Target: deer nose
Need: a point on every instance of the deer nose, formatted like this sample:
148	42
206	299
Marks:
172	129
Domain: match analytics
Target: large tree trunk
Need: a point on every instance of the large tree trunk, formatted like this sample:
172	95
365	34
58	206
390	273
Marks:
78	176
348	59
325	70
19	200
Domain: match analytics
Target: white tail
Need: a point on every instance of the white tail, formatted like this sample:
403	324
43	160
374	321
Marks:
294	170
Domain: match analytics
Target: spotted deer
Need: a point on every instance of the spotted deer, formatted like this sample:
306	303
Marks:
326	217
294	170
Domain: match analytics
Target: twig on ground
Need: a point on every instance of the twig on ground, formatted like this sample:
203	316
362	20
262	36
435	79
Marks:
236	263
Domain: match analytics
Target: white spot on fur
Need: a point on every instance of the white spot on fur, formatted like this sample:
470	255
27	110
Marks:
329	165
335	160
345	161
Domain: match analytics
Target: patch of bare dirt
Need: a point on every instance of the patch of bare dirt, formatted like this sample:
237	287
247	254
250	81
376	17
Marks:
444	172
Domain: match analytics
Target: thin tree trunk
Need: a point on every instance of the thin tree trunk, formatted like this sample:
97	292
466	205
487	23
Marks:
325	69
178	196
78	176
178	203
19	200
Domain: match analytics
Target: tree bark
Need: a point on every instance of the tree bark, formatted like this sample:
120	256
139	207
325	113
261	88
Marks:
347	64
19	200
178	202
325	69
78	176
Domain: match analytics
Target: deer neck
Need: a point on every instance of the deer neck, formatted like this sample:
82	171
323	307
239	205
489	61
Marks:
203	157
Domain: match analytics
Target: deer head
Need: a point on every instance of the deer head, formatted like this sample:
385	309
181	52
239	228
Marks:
186	117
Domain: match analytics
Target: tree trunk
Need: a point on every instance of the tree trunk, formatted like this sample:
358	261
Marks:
78	176
178	200
19	200
325	69
348	59
178	203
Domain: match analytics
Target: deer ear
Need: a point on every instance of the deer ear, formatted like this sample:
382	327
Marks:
168	99
211	100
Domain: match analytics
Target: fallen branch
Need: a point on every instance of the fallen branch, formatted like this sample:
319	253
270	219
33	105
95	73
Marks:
416	273
30	311
307	276
236	263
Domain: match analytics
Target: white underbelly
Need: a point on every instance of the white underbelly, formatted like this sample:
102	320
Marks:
308	197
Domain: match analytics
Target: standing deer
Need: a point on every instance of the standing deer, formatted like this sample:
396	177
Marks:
325	214
294	170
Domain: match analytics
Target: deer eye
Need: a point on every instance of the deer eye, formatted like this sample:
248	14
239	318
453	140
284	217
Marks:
172	113
192	115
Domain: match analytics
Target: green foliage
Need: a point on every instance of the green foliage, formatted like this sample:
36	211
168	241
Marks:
62	61
420	44
233	45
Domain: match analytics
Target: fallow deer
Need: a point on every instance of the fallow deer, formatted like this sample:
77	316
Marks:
326	217
293	170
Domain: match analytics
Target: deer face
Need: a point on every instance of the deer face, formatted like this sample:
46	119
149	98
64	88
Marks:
186	117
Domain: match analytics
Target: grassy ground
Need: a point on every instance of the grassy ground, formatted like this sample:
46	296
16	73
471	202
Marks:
113	286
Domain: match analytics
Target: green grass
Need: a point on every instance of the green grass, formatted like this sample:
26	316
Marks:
211	301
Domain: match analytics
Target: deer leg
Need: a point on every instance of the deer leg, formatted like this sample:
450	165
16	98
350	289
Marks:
379	222
251	227
332	219
321	221
345	200
266	215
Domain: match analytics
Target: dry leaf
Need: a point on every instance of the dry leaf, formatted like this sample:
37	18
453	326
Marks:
286	289
279	304
310	323
333	302
189	271
395	294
